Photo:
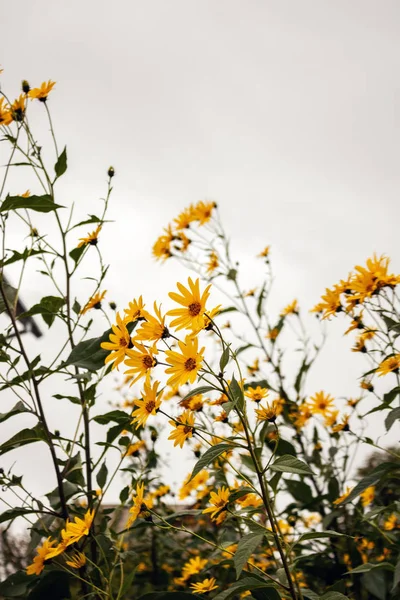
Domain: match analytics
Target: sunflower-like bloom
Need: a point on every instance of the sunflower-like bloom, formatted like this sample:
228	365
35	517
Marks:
391	523
269	412
368	495
138	505
148	405
343	425
321	403
301	415
194	306
42	554
77	560
91	239
183	428
17	109
141	360
264	253
331	303
193	566
135	311
213	262
42	92
290	309
186	364
134	449
162	246
256	394
94	302
5	114
202	211
389	365
79	528
153	328
342	497
185	218
219	501
120	342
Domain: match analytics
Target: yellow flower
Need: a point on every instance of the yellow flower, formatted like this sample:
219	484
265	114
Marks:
194	303
26	194
301	415
264	253
251	500
219	501
185	365
17	110
213	262
42	554
5	114
133	449
389	365
290	309
94	302
153	328
342	497
343	426
202	211
138	505
42	92
356	323
268	413
162	246
272	334
256	394
321	403
77	560
254	367
368	495
148	405
359	346
141	360
390	523
193	566
330	304
366	385
207	585
78	528
91	238
135	311
330	418
120	342
183	428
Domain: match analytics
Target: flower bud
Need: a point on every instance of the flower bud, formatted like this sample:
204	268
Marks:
25	86
111	172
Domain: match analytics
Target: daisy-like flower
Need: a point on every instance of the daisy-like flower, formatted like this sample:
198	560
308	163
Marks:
272	334
17	109
331	303
148	405
183	428
356	323
91	239
255	367
202	212
153	328
140	360
43	552
77	560
193	566
368	495
290	309
94	302
186	364
120	342
182	242
78	528
184	219
194	306
269	412
343	426
5	114
162	246
135	311
138	505
134	449
213	262
256	394
42	92
342	497
264	253
219	501
321	403
389	365
390	523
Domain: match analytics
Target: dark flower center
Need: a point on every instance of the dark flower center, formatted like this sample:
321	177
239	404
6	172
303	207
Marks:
194	309
187	429
147	362
190	364
150	406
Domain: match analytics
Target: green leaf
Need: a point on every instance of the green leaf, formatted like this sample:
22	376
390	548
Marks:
13	513
228	309
315	535
364	568
169	596
16	585
61	165
248	583
302	371
396	578
114	416
124	494
299	490
245	549
48	307
232	274
72	399
16	256
390	396
16	410
372	479
224	358
202	389
43	203
101	476
92	219
76	253
333	596
10	294
236	393
54	585
72	471
393	416
26	436
209	456
25	376
261	300
290	464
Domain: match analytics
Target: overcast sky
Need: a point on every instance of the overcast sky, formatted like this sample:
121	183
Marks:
284	112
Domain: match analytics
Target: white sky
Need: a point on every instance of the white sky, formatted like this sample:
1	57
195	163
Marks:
285	113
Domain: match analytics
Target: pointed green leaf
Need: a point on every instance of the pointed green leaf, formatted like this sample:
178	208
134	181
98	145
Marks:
101	476
61	165
43	203
245	549
16	410
26	436
209	456
290	464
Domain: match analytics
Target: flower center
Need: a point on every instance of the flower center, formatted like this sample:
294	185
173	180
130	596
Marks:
190	364
147	361
257	397
122	342
150	406
194	309
187	429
